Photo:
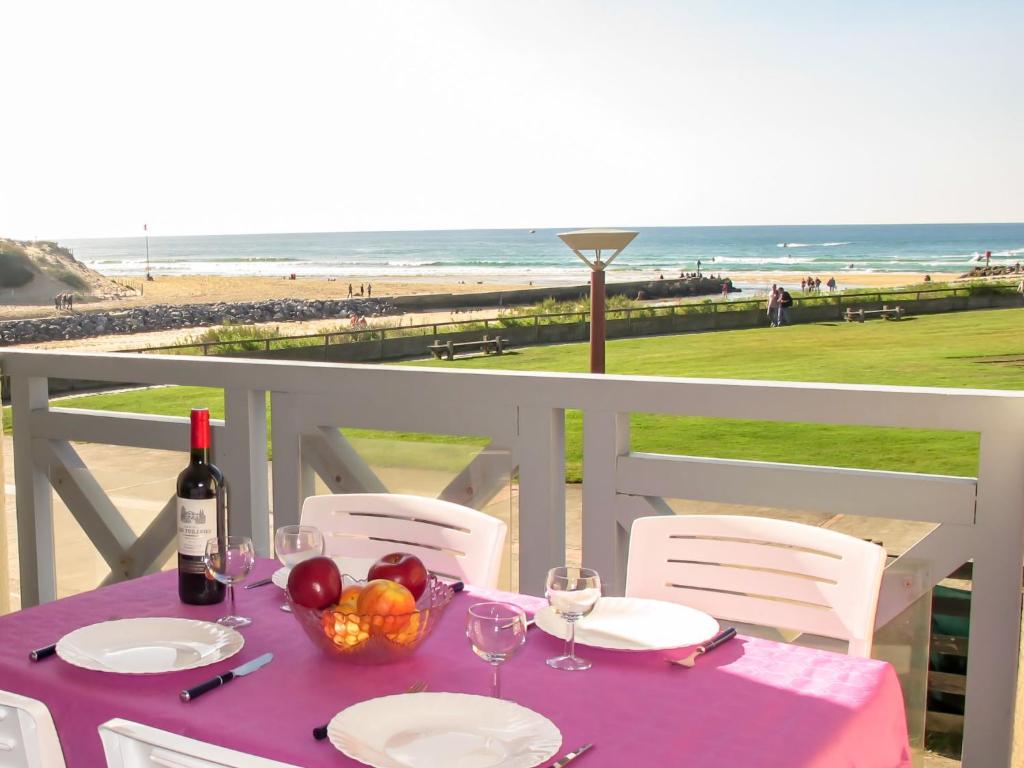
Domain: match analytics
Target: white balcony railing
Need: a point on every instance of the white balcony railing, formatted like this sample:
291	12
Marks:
523	415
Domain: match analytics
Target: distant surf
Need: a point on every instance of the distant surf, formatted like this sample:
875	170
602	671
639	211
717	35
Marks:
517	256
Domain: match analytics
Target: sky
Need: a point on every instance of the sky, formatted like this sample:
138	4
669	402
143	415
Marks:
247	117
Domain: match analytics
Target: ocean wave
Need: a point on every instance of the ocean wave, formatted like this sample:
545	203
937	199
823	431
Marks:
764	261
414	263
812	245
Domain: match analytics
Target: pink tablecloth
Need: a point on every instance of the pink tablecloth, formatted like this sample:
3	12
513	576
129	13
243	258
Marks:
750	703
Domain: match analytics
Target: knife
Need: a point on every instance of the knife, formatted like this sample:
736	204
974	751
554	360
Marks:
571	756
260	583
722	637
227	677
41	653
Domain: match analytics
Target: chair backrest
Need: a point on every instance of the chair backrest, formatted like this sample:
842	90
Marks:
28	738
133	745
761	571
450	539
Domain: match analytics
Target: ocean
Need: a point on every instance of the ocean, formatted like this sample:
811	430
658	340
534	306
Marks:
521	256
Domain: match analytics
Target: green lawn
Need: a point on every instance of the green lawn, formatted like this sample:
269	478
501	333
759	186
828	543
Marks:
955	350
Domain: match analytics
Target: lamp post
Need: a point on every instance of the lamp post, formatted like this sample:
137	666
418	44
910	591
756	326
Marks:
597	240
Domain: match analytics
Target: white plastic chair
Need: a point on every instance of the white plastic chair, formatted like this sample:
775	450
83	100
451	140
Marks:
133	745
760	571
450	539
28	738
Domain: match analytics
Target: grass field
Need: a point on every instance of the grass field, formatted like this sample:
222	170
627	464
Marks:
982	349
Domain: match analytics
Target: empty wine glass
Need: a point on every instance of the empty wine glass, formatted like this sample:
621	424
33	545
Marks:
229	560
496	631
295	543
572	593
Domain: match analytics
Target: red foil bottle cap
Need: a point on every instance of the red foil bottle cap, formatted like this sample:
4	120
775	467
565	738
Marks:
200	428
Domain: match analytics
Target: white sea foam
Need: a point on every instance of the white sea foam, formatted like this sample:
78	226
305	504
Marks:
812	245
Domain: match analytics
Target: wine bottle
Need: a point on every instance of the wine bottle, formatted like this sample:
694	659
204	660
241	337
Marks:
202	515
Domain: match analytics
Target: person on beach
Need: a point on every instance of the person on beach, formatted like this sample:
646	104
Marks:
360	289
785	302
773	305
831	284
698	267
56	302
350	290
369	290
817	285
803	284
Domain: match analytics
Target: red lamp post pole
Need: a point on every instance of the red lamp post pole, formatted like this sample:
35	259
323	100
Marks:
597	321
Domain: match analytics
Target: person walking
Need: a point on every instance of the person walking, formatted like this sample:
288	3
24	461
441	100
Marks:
369	290
773	305
350	290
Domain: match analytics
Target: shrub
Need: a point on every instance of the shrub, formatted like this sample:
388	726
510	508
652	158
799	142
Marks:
68	277
15	267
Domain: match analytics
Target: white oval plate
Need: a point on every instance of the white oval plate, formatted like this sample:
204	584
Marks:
634	624
356	567
442	730
149	646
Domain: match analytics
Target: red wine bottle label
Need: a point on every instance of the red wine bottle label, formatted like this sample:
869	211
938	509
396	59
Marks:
197	524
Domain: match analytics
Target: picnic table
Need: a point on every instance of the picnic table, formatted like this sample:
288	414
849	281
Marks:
750	703
449	348
886	313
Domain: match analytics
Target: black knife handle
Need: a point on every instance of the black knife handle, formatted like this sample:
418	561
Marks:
320	733
720	638
41	653
457	586
209	685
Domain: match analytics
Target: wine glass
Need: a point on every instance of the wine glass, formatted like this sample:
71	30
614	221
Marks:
229	559
496	631
295	543
572	593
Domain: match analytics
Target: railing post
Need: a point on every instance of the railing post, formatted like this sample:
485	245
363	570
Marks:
605	542
541	495
293	478
34	496
5	584
992	656
243	456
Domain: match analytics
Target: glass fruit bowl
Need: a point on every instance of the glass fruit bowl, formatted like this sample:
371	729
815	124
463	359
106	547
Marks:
373	638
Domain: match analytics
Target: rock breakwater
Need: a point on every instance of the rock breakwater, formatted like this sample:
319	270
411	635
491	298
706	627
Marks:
162	317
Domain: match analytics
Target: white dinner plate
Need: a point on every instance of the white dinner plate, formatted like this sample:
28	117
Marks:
356	567
149	645
634	624
444	730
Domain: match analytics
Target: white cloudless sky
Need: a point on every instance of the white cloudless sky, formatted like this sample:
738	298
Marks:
244	117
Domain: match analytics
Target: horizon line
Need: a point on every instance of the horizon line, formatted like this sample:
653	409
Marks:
150	234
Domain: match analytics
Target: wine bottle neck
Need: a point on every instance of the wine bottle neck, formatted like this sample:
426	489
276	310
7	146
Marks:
199	455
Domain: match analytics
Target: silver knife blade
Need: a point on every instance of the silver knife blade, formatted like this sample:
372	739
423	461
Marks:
571	756
252	666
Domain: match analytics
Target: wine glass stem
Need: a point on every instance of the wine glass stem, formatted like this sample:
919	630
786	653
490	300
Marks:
495	681
231	597
571	642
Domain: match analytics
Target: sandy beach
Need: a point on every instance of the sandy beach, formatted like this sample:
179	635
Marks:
192	289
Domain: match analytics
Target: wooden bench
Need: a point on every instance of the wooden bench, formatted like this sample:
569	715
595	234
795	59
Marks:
886	313
448	349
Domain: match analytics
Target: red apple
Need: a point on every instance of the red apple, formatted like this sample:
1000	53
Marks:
403	568
315	583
